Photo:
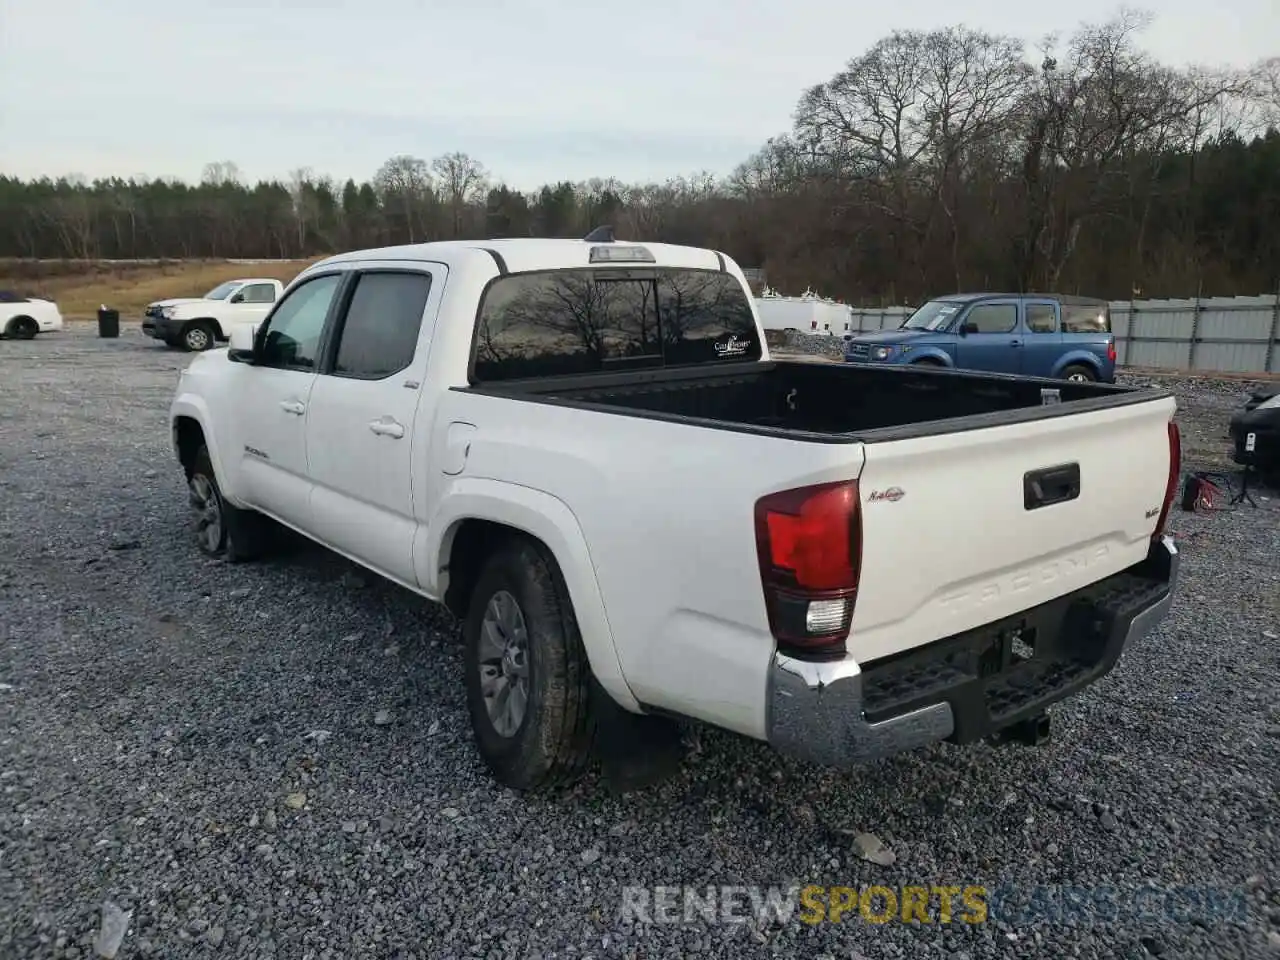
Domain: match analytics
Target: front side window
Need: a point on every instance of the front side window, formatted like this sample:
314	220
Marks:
558	322
992	318
258	293
292	336
380	332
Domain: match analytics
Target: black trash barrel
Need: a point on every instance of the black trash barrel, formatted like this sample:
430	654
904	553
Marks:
108	322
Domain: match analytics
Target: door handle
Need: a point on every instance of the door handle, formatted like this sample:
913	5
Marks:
296	407
386	427
1015	343
1043	488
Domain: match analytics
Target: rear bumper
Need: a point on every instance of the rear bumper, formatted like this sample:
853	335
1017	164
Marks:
969	686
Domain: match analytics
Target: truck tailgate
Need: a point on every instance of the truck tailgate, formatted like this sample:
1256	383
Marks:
952	538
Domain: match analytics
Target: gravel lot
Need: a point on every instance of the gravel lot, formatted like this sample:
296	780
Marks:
196	743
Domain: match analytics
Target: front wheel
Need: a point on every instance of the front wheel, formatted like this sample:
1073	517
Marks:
1079	373
197	336
526	671
222	530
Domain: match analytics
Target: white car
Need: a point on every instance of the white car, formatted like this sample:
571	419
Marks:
584	449
201	323
21	318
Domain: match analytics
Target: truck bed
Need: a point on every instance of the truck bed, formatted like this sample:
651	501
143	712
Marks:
827	402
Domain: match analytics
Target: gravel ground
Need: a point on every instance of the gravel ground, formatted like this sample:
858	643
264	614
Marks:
196	743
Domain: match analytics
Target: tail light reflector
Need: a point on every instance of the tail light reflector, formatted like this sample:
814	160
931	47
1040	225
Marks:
1111	350
809	544
1175	474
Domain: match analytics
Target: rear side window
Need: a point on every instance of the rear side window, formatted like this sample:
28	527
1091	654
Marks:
558	322
1086	318
380	332
1042	318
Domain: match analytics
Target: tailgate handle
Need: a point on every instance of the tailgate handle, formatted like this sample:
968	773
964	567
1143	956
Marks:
1042	488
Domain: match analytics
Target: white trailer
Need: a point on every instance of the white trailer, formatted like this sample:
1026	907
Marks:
808	313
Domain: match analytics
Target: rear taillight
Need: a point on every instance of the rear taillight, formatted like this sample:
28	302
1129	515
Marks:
1175	474
809	542
1111	350
813	324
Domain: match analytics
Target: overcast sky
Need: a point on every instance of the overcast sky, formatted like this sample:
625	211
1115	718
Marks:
535	91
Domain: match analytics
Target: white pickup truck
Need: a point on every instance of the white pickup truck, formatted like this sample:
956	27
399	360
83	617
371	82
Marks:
585	450
199	323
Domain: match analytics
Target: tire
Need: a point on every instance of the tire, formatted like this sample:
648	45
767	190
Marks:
197	336
222	531
1079	373
520	627
22	328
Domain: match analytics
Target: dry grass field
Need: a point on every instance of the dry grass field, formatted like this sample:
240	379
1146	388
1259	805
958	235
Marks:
81	286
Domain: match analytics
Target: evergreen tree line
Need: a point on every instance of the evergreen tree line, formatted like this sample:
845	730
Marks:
935	161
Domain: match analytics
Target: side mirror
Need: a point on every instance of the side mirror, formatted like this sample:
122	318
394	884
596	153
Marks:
967	328
237	297
240	342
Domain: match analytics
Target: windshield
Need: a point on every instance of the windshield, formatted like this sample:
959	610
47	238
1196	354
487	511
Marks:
221	291
934	315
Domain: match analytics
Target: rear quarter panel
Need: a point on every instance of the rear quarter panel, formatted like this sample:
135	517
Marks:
667	512
1087	349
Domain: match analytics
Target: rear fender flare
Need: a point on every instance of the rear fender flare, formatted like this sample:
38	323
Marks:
550	520
1083	358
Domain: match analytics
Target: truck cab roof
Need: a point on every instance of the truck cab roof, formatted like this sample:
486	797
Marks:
522	255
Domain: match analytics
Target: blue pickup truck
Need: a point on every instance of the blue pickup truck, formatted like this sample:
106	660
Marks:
1038	335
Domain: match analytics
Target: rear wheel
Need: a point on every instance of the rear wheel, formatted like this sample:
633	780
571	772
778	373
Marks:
526	671
22	328
197	335
1079	373
222	530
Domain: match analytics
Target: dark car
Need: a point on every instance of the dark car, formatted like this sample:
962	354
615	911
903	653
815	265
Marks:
1034	334
1255	431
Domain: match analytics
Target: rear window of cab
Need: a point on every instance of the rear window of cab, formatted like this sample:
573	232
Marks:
599	320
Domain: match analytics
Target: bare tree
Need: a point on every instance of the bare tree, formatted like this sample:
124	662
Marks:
462	180
1097	109
305	209
220	173
404	184
905	118
1264	92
